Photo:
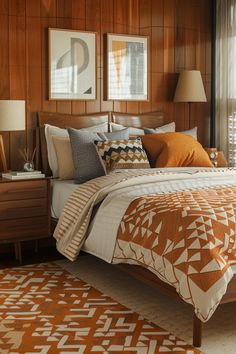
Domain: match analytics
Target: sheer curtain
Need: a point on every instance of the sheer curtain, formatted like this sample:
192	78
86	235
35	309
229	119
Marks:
226	78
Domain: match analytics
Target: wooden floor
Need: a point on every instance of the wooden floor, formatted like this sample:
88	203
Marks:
29	256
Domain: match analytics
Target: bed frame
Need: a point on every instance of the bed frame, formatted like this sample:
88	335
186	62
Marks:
149	120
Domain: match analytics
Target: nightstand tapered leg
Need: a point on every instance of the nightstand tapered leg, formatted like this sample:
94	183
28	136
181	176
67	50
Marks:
16	250
18	254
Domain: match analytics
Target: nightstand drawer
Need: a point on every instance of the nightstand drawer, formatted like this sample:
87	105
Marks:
29	189
24	228
17	209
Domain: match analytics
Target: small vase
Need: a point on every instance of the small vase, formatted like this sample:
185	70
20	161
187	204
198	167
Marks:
29	166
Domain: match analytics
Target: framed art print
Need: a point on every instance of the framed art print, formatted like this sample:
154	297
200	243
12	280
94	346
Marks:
127	67
72	65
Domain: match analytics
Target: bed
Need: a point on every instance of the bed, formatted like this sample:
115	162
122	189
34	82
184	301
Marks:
149	120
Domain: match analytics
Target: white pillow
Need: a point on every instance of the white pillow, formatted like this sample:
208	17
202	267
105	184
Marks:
51	130
99	128
192	132
132	130
167	128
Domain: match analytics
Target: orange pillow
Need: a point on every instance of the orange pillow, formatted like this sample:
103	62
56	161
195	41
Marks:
175	150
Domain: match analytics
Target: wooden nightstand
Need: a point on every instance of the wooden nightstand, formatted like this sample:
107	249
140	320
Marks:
24	211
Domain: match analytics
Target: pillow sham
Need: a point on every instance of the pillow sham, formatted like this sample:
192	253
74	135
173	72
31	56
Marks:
192	132
98	128
87	163
51	130
56	131
63	150
175	150
170	127
167	128
132	130
122	154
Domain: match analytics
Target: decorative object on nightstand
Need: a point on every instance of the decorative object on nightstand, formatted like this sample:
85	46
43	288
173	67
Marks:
213	155
217	157
12	118
190	89
23	175
221	160
28	159
24	211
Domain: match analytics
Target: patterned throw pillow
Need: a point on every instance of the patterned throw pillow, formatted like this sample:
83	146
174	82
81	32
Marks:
122	154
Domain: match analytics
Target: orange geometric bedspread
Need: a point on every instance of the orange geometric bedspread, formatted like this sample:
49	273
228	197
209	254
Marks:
187	239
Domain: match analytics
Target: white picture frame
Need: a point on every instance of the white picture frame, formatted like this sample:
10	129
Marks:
127	67
72	64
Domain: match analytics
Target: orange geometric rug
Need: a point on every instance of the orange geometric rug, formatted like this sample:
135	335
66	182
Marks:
44	309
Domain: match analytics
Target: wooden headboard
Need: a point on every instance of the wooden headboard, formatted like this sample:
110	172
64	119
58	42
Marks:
62	121
140	120
148	120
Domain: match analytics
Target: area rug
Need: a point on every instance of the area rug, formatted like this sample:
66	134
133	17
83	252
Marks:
219	333
45	309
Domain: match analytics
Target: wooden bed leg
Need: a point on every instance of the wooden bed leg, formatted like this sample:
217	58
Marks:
197	332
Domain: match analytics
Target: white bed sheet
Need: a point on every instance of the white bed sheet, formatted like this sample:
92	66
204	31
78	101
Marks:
61	191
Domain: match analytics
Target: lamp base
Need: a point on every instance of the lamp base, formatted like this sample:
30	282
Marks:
3	155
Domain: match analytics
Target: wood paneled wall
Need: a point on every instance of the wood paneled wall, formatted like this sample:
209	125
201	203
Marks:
180	38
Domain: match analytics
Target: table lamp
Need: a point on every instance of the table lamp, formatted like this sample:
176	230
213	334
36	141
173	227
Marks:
190	89
12	118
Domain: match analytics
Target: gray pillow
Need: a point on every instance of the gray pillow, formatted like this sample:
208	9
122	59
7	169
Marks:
85	157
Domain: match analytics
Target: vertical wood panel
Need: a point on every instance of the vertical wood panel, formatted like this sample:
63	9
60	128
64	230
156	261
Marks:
4	7
78	9
17	76
107	10
145	13
169	58
48	8
133	16
157	50
17	7
4	68
17	73
170	11
157	12
64	8
17	45
33	8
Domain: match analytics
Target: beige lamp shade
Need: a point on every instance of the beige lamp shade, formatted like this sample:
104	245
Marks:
190	87
12	115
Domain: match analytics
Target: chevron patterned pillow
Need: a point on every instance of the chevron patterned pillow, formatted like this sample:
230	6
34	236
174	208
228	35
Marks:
122	154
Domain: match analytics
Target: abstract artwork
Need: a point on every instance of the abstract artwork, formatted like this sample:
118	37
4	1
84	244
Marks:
127	61
72	65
